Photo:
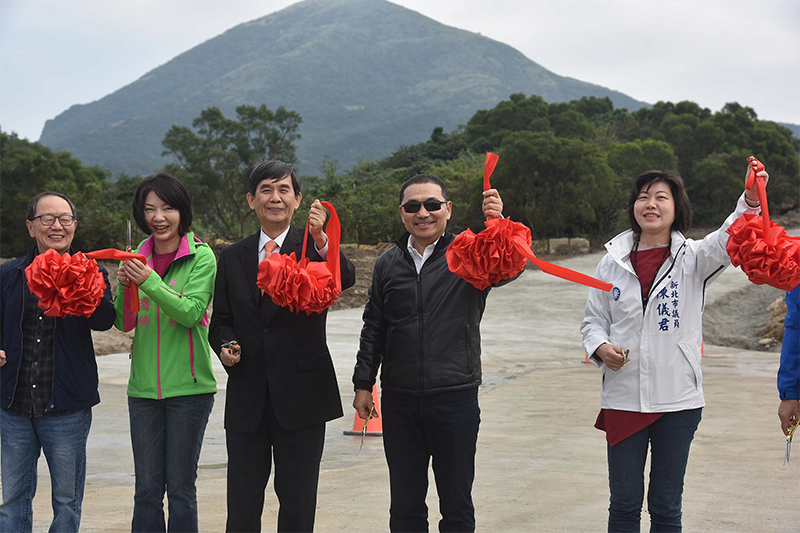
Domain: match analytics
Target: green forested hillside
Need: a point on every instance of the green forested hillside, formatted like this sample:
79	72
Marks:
566	169
30	168
367	76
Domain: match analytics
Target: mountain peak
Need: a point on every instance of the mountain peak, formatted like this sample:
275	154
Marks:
367	76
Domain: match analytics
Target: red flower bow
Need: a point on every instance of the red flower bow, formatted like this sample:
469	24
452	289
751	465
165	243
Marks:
501	250
308	286
64	284
760	246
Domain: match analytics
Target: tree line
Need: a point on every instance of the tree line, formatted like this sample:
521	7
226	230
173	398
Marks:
565	170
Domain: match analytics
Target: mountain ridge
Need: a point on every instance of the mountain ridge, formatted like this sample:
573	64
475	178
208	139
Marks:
388	76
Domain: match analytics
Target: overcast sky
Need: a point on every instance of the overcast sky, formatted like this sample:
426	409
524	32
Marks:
56	53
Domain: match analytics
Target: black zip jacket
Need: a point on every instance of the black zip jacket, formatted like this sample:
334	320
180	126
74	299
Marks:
422	329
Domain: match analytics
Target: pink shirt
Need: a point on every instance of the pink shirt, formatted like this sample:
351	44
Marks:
161	262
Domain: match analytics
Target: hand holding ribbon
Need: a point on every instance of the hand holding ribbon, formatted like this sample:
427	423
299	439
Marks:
501	250
760	246
304	285
119	255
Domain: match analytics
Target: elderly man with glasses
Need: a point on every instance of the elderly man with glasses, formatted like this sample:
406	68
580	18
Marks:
48	380
422	327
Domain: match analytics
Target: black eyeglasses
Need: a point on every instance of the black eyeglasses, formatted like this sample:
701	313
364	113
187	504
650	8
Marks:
413	206
49	220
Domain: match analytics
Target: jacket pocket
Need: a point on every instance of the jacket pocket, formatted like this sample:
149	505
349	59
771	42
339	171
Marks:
693	358
676	380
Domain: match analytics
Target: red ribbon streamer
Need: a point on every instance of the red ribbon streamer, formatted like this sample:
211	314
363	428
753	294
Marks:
308	286
488	169
502	249
118	255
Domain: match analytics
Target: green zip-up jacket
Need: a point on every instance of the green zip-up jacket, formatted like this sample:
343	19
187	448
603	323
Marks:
170	354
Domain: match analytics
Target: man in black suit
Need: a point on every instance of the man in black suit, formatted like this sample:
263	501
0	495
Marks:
281	383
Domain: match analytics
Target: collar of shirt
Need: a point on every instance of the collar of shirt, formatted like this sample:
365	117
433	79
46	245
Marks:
419	259
264	239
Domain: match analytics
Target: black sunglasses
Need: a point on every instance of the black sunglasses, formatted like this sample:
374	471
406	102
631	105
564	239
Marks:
413	206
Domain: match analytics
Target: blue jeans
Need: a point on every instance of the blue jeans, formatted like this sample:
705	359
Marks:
669	439
167	436
417	428
63	439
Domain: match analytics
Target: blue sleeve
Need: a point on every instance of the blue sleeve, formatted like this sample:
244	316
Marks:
789	371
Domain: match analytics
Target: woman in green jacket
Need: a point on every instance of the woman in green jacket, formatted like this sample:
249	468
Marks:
171	386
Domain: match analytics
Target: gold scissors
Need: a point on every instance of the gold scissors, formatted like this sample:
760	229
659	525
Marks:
792	429
364	429
625	357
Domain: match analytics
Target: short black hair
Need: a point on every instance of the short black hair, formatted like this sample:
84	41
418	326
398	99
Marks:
30	212
272	169
422	178
683	208
171	191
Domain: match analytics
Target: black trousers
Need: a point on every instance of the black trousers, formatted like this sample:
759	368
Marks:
297	456
417	428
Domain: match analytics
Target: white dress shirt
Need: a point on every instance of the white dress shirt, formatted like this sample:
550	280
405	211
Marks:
419	259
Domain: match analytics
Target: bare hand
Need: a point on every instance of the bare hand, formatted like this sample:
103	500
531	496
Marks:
228	358
612	356
789	413
752	193
122	279
492	204
136	271
316	222
2	357
363	404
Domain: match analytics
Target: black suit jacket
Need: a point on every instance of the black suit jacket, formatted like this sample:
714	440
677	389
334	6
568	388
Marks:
284	354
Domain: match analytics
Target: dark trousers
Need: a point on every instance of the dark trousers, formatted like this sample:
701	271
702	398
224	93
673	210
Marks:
297	455
167	436
669	439
417	428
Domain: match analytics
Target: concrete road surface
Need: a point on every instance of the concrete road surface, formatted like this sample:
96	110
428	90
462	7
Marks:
540	464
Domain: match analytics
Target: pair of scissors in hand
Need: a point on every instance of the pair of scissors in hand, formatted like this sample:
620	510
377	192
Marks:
364	429
792	429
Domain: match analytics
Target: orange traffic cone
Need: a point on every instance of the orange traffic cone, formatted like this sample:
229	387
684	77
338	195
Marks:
374	427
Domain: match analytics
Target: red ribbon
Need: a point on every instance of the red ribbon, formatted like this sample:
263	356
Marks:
760	246
488	169
334	244
64	284
308	286
118	255
502	249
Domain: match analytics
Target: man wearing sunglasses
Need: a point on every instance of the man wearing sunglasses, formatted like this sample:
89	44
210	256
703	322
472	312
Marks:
48	379
422	326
